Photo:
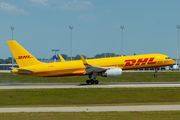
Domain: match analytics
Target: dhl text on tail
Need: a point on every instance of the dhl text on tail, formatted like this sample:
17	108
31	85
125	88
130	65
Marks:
105	67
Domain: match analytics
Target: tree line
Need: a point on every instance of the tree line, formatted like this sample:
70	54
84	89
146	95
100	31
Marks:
77	57
66	57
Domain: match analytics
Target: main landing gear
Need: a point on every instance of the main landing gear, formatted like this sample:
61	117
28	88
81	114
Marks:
92	81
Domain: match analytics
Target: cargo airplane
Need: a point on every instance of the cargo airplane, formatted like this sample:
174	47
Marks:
105	67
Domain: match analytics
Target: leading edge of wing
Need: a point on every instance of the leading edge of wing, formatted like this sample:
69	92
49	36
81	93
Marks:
91	68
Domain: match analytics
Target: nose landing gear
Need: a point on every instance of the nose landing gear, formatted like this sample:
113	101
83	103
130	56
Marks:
155	74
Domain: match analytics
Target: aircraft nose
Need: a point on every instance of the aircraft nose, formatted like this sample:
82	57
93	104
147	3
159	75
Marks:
170	61
173	62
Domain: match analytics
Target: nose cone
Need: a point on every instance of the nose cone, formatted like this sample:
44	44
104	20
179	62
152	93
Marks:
172	61
169	62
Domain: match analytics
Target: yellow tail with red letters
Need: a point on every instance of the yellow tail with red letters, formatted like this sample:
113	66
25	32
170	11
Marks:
21	55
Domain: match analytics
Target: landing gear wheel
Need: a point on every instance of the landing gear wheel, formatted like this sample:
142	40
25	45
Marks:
155	75
96	81
87	81
92	81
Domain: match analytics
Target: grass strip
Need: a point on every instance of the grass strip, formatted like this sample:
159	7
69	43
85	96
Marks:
126	77
84	96
151	115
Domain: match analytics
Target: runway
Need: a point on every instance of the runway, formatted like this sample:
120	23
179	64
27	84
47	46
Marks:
90	108
101	85
93	108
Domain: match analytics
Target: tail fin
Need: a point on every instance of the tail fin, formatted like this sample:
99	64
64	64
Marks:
21	55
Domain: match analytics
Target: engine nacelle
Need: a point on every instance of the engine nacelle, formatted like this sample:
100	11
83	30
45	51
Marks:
112	72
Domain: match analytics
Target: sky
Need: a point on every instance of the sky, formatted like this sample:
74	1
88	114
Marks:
150	26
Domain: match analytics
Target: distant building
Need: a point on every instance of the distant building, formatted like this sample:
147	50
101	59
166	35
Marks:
7	66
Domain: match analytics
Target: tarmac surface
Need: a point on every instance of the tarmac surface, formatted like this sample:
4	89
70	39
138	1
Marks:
101	85
92	108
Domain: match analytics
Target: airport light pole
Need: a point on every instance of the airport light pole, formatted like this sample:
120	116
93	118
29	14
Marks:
122	27
71	27
178	26
12	28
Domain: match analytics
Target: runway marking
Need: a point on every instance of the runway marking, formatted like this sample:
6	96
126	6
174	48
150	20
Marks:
93	108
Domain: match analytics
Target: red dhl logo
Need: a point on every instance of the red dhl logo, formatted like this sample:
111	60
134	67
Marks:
24	57
141	61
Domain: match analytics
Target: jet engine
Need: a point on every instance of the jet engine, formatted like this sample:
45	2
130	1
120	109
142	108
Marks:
112	72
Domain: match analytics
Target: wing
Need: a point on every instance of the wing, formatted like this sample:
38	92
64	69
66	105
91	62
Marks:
90	68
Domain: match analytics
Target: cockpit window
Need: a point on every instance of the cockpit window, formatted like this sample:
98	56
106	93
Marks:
167	58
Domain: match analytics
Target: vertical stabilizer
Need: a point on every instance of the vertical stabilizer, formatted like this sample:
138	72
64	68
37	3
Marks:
21	55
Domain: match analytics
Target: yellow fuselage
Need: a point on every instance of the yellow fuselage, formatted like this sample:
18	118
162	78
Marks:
76	67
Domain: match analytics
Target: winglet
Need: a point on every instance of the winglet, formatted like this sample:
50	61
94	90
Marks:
90	68
61	58
84	62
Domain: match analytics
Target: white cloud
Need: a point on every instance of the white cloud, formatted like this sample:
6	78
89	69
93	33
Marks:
78	5
12	8
87	17
40	1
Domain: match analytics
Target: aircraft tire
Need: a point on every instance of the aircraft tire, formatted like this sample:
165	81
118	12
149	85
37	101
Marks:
155	75
96	81
92	81
87	81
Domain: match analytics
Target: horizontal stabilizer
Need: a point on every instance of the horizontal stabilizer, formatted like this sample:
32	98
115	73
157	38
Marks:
12	68
26	71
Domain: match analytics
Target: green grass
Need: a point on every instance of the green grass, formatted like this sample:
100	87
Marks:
93	96
126	77
151	115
